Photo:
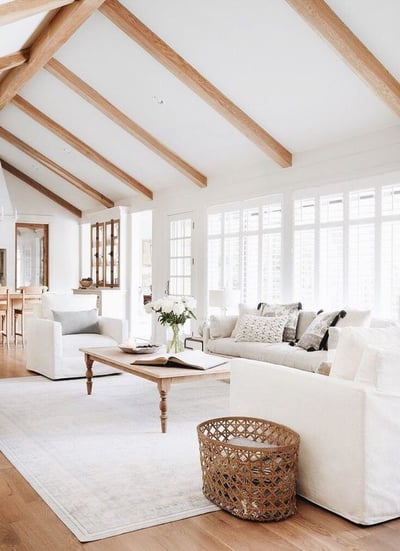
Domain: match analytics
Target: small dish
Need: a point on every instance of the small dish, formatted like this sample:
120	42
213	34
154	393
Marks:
139	349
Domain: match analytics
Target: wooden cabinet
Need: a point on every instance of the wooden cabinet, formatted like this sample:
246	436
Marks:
104	253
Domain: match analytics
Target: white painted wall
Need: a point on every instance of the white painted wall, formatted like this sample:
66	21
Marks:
64	245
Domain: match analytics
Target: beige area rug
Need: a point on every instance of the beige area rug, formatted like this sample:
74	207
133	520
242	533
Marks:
100	462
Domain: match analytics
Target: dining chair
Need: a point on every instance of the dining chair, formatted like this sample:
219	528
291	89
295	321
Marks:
19	313
5	312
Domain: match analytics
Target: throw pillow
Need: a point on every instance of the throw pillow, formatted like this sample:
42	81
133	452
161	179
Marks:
244	309
260	329
221	326
352	343
316	335
379	366
72	323
291	311
355	318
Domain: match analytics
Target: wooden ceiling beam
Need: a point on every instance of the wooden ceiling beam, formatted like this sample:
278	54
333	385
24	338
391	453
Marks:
60	29
80	146
164	54
325	22
57	169
42	189
19	9
109	110
13	60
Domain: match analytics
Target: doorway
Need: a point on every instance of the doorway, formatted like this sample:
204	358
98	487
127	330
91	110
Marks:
31	255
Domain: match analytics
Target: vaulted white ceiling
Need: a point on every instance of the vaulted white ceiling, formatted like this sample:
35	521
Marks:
262	55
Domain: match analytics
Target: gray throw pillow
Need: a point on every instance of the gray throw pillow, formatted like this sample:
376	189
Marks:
73	323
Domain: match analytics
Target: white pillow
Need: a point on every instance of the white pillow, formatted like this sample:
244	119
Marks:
352	343
355	318
222	326
244	309
333	339
261	329
380	367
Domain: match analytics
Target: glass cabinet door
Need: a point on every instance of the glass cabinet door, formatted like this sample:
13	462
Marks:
104	253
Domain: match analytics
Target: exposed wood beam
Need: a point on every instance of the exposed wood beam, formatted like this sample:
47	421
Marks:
61	27
57	169
19	9
13	60
80	146
149	41
47	192
110	111
325	21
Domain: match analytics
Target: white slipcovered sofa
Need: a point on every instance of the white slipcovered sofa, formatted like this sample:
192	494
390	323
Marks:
57	355
349	421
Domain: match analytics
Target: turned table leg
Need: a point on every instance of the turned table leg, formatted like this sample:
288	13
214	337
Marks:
163	388
89	373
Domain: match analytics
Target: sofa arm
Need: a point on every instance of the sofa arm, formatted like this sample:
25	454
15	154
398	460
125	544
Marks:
114	328
348	461
43	345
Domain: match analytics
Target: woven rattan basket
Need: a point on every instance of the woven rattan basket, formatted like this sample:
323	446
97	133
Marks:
255	481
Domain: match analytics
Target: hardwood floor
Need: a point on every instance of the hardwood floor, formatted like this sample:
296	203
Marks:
28	524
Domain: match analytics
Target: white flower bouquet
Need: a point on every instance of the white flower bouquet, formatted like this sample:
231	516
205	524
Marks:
174	312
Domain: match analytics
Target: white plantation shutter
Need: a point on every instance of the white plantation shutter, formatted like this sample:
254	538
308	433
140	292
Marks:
390	268
250	262
331	267
304	255
362	265
271	267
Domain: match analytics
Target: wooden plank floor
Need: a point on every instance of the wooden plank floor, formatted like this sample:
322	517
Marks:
27	524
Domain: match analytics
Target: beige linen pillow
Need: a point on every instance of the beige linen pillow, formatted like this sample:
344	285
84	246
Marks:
222	326
355	318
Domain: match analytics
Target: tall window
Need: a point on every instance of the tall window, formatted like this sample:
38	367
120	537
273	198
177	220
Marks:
244	250
180	263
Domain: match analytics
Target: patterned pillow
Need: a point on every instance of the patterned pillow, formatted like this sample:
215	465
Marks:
260	329
291	311
243	310
316	335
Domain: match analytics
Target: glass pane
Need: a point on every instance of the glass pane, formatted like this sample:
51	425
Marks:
251	219
331	208
187	247
390	269
362	265
272	216
231	263
232	221
214	224
250	269
304	211
331	267
304	266
271	268
214	264
362	203
391	199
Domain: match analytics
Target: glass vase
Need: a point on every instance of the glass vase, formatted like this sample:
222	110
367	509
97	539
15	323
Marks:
176	343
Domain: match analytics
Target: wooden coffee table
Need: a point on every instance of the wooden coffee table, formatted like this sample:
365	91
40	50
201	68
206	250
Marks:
164	377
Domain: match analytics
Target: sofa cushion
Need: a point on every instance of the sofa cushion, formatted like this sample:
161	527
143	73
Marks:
305	319
352	343
72	343
316	335
64	303
244	309
226	347
261	329
222	326
380	367
290	311
73	323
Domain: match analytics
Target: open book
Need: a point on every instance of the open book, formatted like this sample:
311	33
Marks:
188	358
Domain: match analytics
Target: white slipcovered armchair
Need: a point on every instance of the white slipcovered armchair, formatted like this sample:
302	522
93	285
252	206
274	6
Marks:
57	355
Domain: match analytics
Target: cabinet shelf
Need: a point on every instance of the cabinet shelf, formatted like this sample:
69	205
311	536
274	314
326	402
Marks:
104	253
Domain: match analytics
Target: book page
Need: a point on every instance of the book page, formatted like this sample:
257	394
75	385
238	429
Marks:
188	358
